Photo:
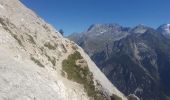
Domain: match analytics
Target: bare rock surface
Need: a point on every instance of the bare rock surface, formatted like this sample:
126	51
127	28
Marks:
31	55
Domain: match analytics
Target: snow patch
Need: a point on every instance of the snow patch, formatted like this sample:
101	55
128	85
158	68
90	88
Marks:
136	52
101	32
167	29
168	24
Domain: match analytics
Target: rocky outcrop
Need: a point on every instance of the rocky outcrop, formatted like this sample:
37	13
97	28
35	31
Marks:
31	57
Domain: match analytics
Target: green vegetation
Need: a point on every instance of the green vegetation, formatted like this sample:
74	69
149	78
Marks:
115	97
37	62
81	75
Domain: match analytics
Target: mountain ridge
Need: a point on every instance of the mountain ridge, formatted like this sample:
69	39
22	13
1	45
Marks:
135	60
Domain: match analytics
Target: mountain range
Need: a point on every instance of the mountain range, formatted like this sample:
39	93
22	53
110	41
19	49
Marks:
135	59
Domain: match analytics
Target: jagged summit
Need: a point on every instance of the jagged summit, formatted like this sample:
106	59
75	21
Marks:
165	27
102	33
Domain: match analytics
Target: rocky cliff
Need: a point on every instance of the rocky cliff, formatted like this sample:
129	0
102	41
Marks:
35	61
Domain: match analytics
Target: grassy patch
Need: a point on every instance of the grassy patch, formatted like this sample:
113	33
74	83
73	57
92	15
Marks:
37	62
81	76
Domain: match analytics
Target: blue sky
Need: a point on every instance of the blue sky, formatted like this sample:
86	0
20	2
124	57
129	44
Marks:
78	15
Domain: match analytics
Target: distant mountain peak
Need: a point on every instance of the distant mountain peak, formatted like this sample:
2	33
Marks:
165	30
103	26
140	25
140	28
165	27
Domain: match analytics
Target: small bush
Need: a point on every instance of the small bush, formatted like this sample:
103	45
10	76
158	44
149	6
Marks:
61	31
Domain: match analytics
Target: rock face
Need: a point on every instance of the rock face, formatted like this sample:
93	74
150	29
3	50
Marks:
136	60
31	56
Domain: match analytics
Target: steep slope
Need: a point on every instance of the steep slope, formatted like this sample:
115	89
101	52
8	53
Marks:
137	64
32	55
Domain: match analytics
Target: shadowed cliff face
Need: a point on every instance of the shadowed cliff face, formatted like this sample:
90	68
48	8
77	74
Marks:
136	60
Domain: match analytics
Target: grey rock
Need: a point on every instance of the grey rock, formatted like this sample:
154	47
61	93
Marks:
136	60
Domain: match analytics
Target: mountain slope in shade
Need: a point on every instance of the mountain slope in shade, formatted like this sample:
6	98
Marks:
136	60
32	55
